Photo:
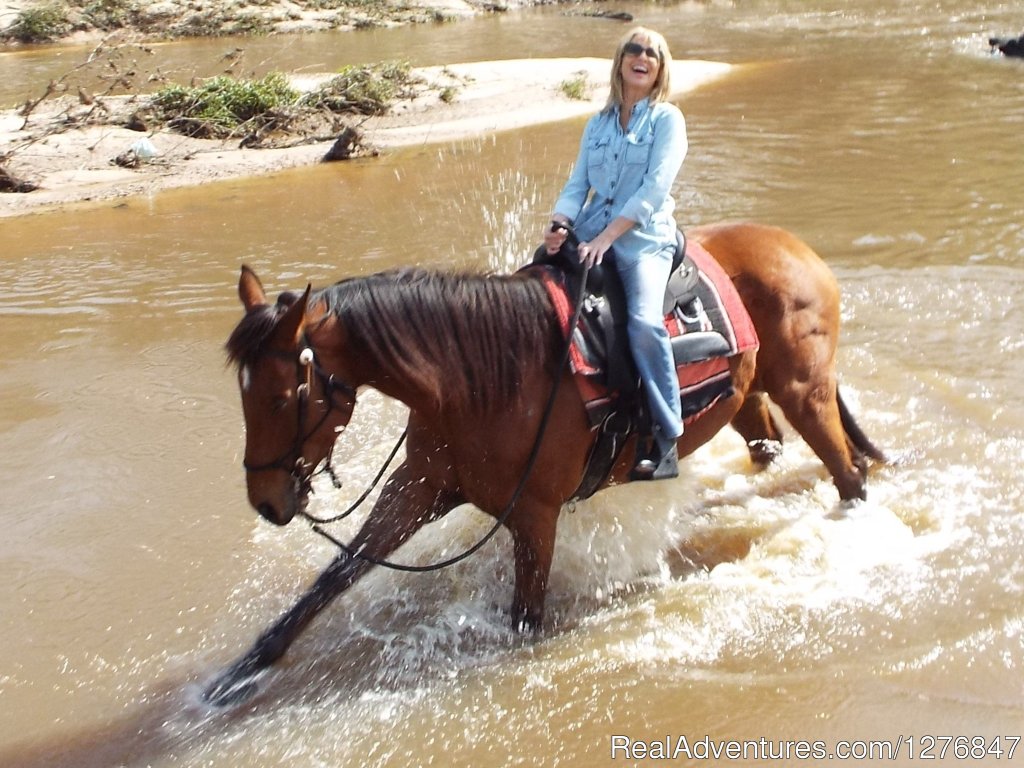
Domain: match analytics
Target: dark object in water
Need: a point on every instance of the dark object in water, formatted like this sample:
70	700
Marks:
347	144
1010	46
613	15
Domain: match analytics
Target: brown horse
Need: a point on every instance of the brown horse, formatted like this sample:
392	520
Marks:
475	359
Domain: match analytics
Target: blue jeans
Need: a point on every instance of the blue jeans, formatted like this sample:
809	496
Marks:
644	279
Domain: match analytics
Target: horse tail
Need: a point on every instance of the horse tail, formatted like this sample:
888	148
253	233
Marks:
856	434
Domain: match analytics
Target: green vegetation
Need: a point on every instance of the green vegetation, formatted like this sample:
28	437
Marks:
576	87
222	105
365	90
41	24
227	106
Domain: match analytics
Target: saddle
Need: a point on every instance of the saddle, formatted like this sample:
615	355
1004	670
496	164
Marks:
701	309
604	343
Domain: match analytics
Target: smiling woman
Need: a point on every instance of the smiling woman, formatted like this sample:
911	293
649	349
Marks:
619	198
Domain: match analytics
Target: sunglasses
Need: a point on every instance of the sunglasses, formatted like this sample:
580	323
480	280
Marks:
635	49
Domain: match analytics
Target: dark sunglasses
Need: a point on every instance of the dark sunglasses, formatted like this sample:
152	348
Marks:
635	49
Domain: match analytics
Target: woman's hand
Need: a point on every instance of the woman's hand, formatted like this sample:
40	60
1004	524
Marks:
555	235
592	253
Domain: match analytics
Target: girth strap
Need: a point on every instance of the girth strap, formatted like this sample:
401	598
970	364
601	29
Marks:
611	439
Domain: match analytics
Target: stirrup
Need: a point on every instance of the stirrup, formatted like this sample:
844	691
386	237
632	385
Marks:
652	464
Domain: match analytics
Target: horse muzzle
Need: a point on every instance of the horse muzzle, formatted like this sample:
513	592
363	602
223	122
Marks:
281	506
269	513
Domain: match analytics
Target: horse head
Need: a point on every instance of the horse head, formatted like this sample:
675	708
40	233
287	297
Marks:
293	406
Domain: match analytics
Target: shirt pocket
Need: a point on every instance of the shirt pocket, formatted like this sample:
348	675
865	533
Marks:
598	154
638	149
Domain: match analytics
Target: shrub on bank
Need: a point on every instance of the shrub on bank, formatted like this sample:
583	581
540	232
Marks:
40	24
221	105
51	20
577	87
227	106
364	90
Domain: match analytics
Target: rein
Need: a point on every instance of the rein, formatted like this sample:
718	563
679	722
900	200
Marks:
317	523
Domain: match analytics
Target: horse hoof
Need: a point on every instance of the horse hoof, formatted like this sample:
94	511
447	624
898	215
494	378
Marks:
764	452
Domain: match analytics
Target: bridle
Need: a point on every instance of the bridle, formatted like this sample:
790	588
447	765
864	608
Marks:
306	366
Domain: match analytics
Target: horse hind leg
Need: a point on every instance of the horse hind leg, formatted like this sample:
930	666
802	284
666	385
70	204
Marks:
814	411
757	426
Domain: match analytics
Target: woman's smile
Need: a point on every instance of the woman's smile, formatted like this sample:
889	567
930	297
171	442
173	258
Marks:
640	64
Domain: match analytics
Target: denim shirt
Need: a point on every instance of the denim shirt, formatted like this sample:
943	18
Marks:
629	174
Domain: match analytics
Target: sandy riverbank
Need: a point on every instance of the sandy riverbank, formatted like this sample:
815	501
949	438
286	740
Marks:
76	166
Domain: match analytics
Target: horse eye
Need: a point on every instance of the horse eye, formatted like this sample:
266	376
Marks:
279	404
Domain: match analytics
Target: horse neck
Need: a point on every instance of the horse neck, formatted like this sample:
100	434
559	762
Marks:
442	341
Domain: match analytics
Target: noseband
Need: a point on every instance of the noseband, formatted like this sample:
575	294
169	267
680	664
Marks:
291	460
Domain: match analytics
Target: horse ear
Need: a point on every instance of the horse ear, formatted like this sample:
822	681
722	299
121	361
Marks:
250	289
293	323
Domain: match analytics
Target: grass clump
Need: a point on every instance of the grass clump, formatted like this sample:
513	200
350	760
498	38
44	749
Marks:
576	87
40	24
223	106
364	90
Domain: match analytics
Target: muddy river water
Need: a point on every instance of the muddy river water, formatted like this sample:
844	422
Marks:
882	132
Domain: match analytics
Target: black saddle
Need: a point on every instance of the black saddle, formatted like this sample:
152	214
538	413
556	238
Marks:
604	313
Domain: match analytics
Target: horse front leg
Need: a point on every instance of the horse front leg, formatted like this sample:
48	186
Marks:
406	503
238	682
533	536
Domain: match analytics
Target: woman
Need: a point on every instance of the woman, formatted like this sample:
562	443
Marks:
619	193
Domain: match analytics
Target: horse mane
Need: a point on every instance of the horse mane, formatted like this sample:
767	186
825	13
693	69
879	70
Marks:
463	338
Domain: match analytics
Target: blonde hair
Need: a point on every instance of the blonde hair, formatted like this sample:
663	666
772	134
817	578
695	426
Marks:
662	83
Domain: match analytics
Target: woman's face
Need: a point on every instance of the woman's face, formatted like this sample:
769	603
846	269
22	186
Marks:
640	64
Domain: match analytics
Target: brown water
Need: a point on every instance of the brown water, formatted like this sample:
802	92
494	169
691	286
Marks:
882	132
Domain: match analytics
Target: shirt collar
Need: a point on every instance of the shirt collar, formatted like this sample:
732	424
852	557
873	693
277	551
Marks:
638	108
